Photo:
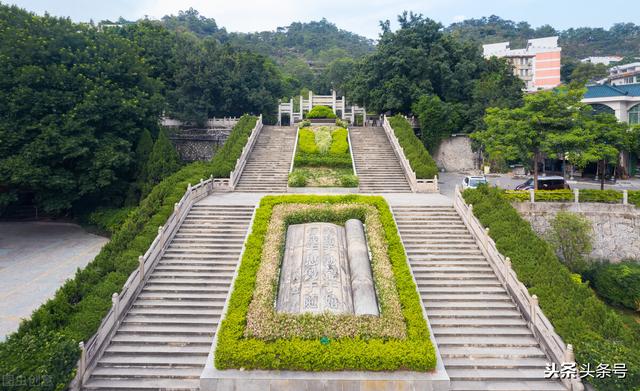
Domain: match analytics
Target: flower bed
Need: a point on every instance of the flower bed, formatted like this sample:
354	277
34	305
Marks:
265	323
323	159
236	350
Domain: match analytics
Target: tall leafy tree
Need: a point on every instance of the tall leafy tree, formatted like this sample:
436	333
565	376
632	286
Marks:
73	102
525	133
163	161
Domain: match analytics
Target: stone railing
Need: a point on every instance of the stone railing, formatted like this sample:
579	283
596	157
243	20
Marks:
295	149
234	176
624	197
95	346
541	327
353	162
417	185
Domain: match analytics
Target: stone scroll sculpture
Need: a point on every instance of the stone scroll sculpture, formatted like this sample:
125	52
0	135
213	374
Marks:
326	267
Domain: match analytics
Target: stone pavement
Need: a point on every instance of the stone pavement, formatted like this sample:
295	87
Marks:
35	260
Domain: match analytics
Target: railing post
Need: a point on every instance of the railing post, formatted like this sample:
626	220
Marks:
141	268
160	228
175	207
625	197
532	196
189	187
533	305
470	213
115	301
485	238
82	367
507	266
576	195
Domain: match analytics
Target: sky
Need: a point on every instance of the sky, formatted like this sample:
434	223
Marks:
359	16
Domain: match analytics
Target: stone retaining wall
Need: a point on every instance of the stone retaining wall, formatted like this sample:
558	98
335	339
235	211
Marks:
616	227
198	146
454	154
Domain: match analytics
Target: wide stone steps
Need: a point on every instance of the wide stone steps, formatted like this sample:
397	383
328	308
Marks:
484	341
377	165
267	167
165	337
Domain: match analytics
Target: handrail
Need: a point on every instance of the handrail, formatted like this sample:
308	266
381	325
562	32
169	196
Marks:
295	148
417	185
234	176
95	346
543	330
353	162
399	152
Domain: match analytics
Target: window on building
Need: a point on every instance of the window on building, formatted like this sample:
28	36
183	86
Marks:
599	108
634	115
628	80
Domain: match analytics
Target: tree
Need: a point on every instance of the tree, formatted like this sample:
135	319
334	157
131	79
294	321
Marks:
570	235
525	133
601	140
586	72
437	119
73	102
163	161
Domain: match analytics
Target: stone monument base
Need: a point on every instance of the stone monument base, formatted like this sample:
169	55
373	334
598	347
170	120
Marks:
236	380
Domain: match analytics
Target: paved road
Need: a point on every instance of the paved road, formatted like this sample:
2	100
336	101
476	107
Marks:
35	259
448	181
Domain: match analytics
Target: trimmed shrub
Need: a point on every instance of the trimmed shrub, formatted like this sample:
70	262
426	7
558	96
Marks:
419	159
339	142
341	123
304	123
297	179
307	141
234	350
321	112
349	180
634	197
163	161
47	344
605	196
619	284
598	333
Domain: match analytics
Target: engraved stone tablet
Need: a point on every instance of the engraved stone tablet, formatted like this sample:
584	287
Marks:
315	276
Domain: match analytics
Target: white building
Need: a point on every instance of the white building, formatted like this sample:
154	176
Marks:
624	74
606	60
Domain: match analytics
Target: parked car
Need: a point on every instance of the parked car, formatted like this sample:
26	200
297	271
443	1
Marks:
545	183
472	182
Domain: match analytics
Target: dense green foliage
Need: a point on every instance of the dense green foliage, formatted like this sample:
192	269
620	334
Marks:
571	236
421	162
618	283
419	59
321	112
620	39
597	333
73	103
555	123
109	220
47	344
235	351
606	196
336	154
162	162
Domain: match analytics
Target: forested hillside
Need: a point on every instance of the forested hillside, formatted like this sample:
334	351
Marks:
76	101
309	54
622	39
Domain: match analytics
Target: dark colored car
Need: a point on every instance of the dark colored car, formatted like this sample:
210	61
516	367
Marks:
545	183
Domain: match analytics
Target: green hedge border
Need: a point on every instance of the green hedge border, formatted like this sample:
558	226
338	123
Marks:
599	334
419	159
233	350
608	196
47	344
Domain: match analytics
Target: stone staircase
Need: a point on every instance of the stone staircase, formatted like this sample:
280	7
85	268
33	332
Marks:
483	339
378	168
267	168
164	340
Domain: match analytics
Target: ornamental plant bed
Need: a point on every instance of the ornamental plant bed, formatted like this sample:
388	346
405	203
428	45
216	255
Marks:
323	158
265	323
235	349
